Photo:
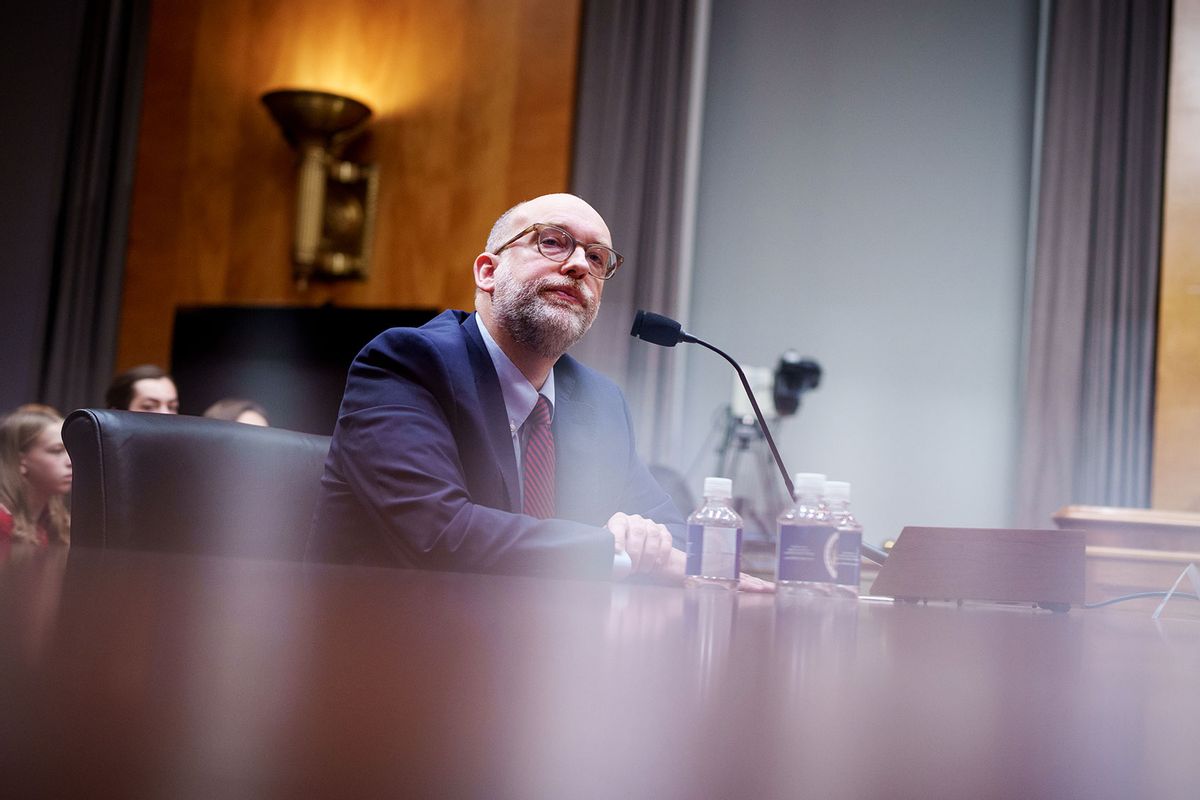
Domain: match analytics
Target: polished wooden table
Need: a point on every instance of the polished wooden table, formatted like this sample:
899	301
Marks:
143	675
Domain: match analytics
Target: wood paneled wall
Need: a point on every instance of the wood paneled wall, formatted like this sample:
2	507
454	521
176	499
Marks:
474	105
1177	398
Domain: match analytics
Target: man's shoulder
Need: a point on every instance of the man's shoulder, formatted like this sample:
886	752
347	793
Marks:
445	325
442	332
402	364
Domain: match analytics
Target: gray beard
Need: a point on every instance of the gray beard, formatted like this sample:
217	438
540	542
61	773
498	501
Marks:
532	321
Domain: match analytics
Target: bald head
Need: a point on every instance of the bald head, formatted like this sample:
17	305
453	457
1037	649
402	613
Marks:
553	208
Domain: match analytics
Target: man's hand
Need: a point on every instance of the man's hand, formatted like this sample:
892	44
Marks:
650	549
749	583
647	543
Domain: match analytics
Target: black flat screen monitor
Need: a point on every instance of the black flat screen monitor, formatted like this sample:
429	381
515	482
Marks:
292	361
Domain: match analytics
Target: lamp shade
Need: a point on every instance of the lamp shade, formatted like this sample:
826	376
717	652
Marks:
307	116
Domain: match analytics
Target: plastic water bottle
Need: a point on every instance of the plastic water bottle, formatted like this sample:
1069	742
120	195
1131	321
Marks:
849	546
806	556
714	542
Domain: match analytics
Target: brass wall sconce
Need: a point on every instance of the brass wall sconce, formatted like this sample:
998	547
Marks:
335	199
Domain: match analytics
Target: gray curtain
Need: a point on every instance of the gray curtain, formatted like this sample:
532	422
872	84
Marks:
1088	395
632	138
89	258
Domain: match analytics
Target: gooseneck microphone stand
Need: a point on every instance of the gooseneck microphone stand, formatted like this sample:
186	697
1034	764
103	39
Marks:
666	332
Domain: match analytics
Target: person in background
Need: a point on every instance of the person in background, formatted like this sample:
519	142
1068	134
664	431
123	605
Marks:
236	409
35	476
38	408
143	388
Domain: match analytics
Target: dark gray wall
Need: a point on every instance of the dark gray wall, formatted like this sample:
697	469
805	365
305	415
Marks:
38	45
864	197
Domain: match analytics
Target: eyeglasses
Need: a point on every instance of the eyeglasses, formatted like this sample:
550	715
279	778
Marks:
559	245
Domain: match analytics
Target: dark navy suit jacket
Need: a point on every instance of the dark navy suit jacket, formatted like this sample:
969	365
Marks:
421	470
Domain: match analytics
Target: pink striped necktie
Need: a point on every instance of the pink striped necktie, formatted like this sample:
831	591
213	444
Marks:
537	462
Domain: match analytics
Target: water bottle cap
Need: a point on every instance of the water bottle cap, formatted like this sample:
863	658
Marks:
718	487
837	490
809	483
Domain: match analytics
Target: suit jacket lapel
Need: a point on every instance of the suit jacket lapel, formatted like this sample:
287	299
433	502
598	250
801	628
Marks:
494	414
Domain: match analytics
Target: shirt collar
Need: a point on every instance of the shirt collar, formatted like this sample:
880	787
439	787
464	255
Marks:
519	395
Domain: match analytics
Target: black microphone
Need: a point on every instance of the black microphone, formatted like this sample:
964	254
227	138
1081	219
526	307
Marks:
660	330
666	332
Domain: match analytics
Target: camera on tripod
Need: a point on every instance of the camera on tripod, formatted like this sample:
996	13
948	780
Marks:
785	385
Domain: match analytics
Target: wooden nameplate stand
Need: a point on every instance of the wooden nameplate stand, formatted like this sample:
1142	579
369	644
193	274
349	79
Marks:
1007	565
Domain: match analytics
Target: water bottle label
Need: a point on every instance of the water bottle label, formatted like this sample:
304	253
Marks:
807	553
849	557
714	552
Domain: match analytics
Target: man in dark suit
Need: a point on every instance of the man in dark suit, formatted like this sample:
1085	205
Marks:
473	443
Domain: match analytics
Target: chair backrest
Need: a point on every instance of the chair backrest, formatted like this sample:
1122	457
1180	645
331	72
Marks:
189	484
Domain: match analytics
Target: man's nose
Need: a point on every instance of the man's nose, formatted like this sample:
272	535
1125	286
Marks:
576	266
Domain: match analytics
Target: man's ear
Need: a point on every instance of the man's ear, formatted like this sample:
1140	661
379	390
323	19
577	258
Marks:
485	272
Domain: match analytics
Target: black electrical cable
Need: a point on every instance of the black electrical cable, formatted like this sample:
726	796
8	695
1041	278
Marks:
1139	596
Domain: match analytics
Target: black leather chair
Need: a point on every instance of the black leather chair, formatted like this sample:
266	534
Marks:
191	485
